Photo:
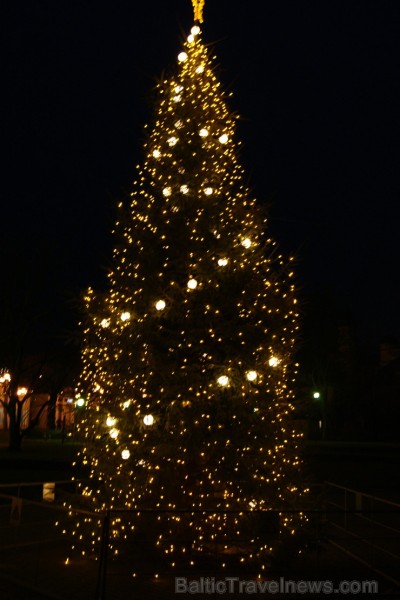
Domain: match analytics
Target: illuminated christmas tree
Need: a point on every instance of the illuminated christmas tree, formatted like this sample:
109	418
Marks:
188	357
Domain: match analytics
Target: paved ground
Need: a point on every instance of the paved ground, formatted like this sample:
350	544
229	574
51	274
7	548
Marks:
15	591
42	567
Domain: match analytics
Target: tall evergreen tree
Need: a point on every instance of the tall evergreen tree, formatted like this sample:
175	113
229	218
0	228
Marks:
188	357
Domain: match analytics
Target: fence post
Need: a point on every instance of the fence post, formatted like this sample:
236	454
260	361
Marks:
101	577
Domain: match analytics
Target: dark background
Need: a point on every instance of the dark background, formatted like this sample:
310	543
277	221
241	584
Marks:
316	85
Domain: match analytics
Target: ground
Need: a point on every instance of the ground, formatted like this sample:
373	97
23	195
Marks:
32	553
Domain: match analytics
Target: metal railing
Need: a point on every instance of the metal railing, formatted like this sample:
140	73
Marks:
361	525
32	549
365	527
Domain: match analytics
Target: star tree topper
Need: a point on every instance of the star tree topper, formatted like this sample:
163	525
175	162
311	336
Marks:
198	6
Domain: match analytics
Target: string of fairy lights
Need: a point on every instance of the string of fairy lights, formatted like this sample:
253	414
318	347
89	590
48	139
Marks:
188	362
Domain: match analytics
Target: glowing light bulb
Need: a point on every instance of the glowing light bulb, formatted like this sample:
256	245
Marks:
178	124
126	404
190	39
273	361
177	98
160	305
125	454
223	380
172	141
114	433
195	30
148	419
182	56
5	377
200	69
178	89
192	284
246	242
223	138
251	375
184	189
167	192
208	191
105	323
222	262
111	421
125	316
156	153
203	132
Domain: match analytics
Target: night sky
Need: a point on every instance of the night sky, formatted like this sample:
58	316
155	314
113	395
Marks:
316	85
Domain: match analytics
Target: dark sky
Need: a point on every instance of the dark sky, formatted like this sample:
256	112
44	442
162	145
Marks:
315	82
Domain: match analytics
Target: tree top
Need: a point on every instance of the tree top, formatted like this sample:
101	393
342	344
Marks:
198	6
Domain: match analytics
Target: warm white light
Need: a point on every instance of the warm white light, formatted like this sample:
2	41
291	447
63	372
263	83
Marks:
125	454
80	402
178	124
5	377
156	153
190	39
177	98
223	138
251	375
222	262
148	419
105	323
167	191
172	141
114	433
273	361
160	305
125	316
184	189
182	56
316	395
223	380
126	404
178	89
203	132
200	69
22	391
195	30
111	421
246	242
192	284
208	191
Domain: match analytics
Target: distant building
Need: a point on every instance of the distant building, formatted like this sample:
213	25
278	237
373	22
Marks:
65	409
30	409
